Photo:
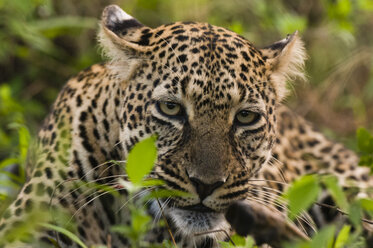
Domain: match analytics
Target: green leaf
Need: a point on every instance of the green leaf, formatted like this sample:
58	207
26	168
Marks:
8	161
125	230
367	204
152	182
12	176
8	183
355	213
141	159
139	225
24	140
364	141
342	237
69	234
301	194
366	160
331	182
324	238
165	193
140	221
239	242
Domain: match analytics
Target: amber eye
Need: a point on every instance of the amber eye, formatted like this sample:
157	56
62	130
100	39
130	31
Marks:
170	108
246	117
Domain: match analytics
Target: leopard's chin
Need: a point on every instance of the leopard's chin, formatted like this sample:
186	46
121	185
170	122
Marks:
198	223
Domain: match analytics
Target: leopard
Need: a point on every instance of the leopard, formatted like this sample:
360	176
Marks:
224	137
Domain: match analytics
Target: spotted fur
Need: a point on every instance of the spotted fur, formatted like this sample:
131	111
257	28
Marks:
212	74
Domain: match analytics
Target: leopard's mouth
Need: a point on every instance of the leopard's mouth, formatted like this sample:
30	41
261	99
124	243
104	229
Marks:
199	208
198	223
191	221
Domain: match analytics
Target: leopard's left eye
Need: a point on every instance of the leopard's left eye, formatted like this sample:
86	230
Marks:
246	117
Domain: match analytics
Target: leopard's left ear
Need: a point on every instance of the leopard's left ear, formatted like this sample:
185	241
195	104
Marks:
286	59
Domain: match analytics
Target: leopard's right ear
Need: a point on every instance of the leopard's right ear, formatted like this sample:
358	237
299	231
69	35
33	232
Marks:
121	36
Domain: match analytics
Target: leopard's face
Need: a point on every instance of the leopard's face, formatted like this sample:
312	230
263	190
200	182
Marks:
214	127
210	98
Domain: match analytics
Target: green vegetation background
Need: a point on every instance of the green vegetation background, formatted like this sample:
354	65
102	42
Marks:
44	42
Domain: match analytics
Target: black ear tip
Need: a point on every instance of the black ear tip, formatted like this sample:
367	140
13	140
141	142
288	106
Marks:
115	19
112	11
279	45
289	37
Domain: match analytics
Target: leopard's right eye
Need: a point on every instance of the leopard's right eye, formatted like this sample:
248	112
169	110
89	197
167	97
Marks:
170	108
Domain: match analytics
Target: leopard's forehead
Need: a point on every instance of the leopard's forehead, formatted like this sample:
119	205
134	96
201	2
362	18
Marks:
202	43
210	66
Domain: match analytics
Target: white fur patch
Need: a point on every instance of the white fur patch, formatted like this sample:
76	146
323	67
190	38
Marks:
190	223
121	62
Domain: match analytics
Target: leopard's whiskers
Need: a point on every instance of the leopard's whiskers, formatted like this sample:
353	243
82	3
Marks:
136	195
86	183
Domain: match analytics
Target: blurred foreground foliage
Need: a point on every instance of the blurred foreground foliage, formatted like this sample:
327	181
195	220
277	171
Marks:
44	42
299	197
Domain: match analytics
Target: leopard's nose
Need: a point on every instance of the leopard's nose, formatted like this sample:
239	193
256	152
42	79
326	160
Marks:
203	189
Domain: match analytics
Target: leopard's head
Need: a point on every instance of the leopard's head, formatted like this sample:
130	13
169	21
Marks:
210	96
